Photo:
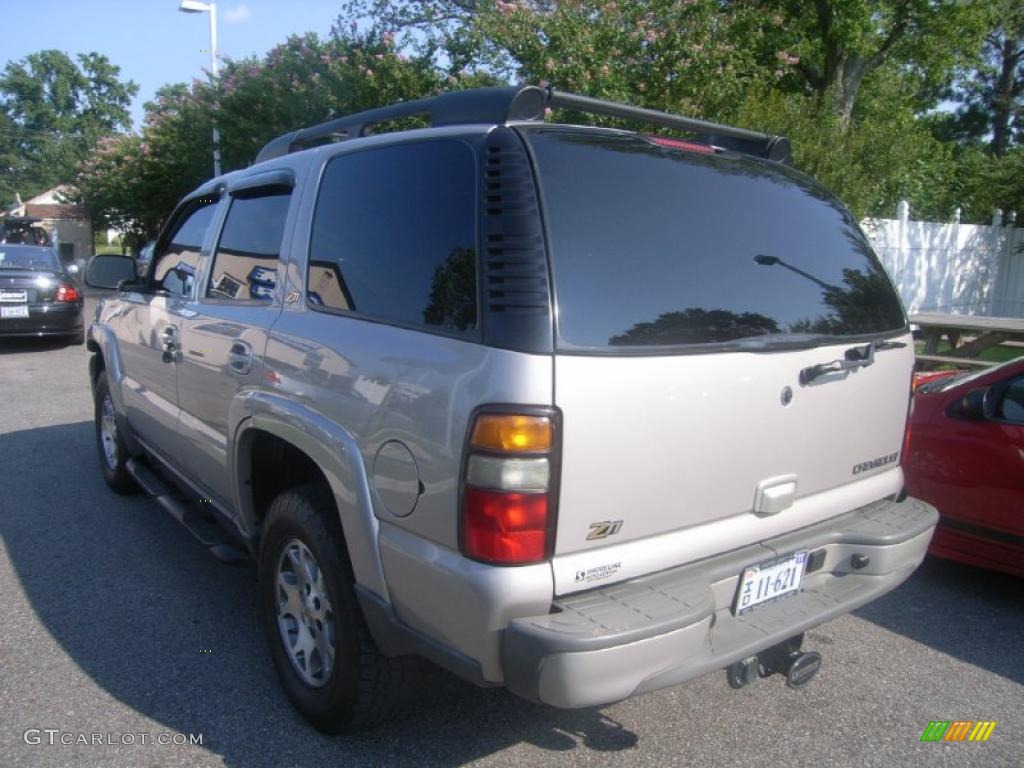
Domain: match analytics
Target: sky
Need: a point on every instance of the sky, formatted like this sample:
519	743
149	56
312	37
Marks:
150	40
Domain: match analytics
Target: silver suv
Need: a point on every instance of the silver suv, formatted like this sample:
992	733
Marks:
579	411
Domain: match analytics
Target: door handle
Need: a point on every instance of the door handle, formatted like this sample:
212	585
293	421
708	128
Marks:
169	343
240	357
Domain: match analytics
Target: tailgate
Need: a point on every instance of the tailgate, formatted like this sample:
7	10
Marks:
693	289
668	443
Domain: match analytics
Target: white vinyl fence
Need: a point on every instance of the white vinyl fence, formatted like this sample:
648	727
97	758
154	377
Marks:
967	269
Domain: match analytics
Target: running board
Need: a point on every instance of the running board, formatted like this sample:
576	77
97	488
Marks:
206	533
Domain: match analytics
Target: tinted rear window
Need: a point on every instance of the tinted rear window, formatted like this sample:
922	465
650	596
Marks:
657	247
28	257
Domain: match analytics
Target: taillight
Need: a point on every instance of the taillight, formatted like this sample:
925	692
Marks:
906	429
509	486
66	292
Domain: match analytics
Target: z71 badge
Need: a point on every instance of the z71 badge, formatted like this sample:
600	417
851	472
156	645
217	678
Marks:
604	529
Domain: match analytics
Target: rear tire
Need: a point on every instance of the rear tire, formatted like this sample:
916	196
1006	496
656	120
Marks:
113	453
326	659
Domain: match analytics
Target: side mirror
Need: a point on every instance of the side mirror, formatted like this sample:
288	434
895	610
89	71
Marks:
977	405
109	271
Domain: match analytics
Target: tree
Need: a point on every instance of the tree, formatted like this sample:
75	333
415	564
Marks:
680	56
730	62
833	47
112	178
53	111
990	91
135	182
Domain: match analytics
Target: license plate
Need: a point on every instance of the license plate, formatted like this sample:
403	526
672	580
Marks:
14	296
766	582
16	311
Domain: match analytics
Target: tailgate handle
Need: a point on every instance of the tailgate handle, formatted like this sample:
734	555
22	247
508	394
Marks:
855	357
774	495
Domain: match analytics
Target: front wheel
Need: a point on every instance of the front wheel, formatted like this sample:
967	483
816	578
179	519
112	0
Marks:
322	650
113	453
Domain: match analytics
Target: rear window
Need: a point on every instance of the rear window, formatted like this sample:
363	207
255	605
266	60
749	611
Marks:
658	247
28	257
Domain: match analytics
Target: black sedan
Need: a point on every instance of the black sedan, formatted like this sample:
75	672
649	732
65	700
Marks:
38	296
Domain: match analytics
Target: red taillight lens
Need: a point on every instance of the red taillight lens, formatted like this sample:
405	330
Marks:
906	432
66	292
505	528
509	485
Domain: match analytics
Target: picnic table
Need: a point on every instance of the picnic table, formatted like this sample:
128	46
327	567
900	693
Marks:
982	332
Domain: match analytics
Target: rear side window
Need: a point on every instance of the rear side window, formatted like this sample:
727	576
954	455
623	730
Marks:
175	266
394	236
657	247
246	259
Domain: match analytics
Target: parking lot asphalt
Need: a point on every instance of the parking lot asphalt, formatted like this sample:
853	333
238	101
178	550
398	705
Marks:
115	624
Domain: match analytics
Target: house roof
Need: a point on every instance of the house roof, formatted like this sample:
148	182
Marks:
54	196
56	211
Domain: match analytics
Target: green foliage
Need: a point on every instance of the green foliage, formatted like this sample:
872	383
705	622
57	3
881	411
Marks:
134	182
679	56
52	113
883	156
846	81
984	183
854	83
830	48
307	81
990	89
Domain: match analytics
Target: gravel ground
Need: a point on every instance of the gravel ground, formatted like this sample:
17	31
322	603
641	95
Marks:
115	622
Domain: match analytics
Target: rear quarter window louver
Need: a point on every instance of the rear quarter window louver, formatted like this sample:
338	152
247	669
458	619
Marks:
515	278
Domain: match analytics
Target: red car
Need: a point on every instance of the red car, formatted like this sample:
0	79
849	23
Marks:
966	457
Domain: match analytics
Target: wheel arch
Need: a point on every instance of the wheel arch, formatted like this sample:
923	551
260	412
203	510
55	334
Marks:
106	357
303	435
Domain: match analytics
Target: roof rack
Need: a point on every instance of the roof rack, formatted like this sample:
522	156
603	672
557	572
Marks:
521	103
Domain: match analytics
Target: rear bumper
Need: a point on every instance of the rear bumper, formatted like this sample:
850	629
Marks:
45	320
641	635
979	546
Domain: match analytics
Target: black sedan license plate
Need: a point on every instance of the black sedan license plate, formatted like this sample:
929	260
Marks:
15	310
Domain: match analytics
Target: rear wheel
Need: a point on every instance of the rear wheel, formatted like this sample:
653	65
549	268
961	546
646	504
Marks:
113	453
325	658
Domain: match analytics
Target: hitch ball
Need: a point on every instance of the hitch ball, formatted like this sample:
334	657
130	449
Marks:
789	660
801	666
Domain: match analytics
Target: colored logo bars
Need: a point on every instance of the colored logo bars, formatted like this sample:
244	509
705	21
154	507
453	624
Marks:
958	730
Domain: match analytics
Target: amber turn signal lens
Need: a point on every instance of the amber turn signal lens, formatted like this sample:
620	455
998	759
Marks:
512	433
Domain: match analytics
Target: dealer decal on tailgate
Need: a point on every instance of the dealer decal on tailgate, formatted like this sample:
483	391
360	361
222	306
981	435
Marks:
598	572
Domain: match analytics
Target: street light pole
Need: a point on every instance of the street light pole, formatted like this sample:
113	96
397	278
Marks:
192	6
213	69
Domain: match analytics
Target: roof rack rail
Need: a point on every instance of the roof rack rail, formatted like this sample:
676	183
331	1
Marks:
522	103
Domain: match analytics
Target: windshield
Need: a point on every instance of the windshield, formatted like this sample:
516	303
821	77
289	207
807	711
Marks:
657	247
28	257
947	383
